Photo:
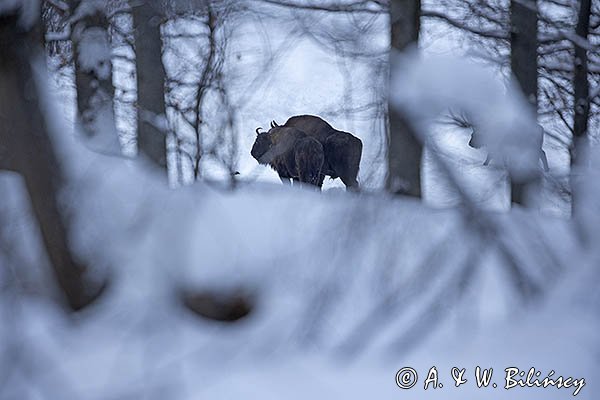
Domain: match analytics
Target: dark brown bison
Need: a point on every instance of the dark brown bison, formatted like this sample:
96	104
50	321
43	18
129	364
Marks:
291	153
342	149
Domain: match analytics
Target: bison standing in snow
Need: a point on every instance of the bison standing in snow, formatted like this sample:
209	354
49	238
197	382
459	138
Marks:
291	153
342	149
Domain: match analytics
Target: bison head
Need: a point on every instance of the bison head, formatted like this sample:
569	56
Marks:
261	146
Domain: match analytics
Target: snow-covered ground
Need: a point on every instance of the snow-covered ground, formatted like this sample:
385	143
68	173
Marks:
348	289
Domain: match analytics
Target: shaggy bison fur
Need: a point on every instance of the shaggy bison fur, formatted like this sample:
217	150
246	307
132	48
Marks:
291	153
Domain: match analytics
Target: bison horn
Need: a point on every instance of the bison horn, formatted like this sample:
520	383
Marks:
274	124
257	130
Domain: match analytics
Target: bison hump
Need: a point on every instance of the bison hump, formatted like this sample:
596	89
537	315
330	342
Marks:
312	125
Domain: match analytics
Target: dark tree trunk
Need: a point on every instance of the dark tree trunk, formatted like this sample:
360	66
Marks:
523	62
581	100
404	148
581	84
93	76
24	132
150	82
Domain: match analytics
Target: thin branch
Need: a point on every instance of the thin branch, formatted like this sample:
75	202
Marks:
492	34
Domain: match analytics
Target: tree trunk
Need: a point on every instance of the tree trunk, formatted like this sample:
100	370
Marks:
581	100
581	84
150	82
93	75
404	148
523	62
24	132
203	85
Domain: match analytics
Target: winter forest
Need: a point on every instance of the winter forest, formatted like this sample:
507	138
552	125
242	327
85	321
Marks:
291	199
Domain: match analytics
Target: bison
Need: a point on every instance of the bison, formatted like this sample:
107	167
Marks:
291	153
342	149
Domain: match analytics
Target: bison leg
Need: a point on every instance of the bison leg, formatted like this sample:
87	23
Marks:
286	181
351	183
321	179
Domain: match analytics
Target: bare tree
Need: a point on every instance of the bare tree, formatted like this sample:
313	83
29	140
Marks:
25	134
581	85
93	73
523	62
199	103
582	101
152	123
404	148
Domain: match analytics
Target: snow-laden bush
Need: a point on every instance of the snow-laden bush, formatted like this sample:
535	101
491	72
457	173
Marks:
426	87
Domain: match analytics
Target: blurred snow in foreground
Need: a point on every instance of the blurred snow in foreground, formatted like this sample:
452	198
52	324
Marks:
323	268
